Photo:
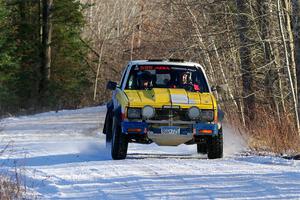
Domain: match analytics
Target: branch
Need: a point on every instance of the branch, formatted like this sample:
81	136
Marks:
89	47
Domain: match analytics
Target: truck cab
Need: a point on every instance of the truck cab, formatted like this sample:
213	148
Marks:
168	102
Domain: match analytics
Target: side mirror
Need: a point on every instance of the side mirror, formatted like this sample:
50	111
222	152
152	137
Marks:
111	85
213	88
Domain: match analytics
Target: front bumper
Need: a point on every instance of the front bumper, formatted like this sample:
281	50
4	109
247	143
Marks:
196	129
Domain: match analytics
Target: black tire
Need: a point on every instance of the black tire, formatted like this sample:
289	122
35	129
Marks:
108	130
215	146
119	142
108	140
202	148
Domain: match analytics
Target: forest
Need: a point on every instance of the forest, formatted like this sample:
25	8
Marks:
59	54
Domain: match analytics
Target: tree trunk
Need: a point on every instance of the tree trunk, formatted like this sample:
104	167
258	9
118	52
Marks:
245	57
291	46
288	65
274	47
296	25
46	45
140	25
263	7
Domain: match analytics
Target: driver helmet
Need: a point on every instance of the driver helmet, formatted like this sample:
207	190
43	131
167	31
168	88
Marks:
144	79
185	77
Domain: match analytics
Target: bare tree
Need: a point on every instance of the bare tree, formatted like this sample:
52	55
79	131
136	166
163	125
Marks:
296	33
248	44
288	66
110	24
245	59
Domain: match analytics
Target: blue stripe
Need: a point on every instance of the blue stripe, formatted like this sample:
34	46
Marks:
128	125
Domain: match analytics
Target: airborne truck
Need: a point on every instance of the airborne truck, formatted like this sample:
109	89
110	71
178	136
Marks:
168	102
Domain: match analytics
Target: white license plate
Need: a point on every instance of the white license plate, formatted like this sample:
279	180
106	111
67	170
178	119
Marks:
170	130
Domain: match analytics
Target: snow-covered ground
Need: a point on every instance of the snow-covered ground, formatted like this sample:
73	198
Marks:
62	156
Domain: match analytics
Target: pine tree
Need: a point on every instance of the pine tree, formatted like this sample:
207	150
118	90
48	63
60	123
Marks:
8	62
40	34
69	81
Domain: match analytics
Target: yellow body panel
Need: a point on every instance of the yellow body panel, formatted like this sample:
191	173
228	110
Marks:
159	97
122	98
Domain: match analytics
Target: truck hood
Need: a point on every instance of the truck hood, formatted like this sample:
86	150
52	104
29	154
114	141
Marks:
158	97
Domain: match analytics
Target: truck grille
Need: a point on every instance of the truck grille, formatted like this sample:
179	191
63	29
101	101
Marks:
171	114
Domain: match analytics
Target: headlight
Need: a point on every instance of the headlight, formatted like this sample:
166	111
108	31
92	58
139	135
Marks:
148	112
134	113
194	113
207	115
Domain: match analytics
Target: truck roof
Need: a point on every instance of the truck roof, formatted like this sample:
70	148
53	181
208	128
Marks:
165	62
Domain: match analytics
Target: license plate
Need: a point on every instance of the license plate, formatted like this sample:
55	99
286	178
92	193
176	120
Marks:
170	130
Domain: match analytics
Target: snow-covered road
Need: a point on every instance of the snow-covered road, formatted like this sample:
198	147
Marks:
62	156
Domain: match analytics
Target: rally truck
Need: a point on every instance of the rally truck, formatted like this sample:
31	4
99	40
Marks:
168	102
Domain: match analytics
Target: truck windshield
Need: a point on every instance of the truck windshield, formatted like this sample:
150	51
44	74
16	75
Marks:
163	76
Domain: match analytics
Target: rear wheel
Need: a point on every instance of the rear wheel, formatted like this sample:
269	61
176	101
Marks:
215	146
119	142
108	139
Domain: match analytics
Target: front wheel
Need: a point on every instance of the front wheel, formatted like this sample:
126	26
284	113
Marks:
119	142
108	129
215	146
202	148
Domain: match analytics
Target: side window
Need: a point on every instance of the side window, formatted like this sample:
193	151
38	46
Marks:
123	75
132	80
130	84
202	81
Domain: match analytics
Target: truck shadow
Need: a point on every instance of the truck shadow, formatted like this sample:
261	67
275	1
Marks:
165	156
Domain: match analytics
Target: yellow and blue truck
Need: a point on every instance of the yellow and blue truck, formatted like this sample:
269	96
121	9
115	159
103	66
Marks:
168	102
